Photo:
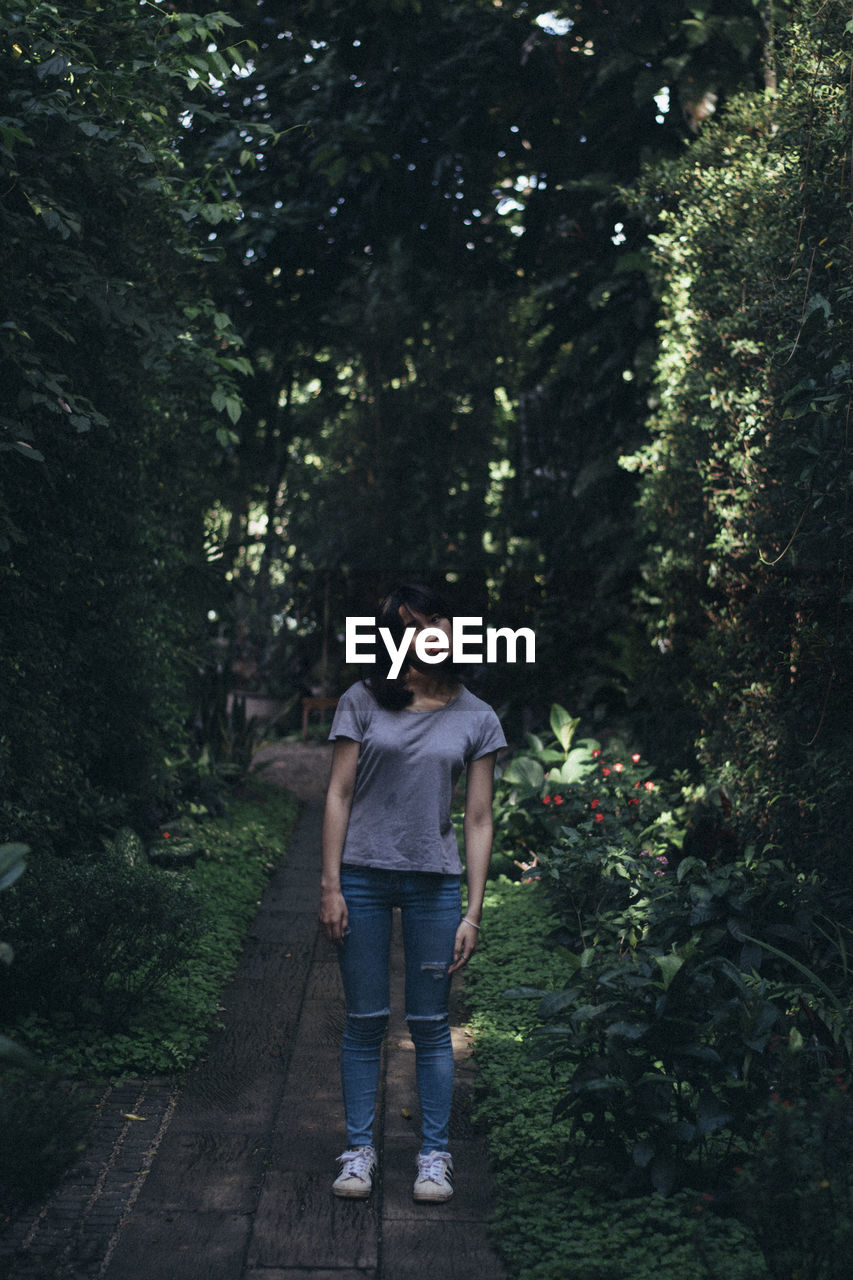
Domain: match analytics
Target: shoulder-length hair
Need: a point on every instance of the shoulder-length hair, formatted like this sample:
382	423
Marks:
393	694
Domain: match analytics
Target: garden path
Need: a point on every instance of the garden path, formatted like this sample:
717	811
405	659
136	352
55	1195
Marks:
229	1177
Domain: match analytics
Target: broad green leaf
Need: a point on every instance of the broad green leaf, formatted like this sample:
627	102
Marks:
712	1114
19	446
14	1053
669	967
12	863
643	1153
556	1001
627	1030
563	725
577	765
525	773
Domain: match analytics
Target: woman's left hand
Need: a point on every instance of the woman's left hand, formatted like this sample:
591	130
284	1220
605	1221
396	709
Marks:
464	946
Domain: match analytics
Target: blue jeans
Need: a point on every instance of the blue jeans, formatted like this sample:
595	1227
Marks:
431	911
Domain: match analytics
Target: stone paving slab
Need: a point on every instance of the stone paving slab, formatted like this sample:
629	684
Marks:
69	1237
228	1177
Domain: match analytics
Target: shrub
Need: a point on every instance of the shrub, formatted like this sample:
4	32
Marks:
96	937
693	984
549	1222
794	1189
154	1017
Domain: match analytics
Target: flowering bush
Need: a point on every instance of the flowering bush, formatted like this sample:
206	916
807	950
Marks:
555	796
681	1009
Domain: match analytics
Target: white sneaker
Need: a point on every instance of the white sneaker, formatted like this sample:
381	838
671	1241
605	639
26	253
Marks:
355	1179
435	1176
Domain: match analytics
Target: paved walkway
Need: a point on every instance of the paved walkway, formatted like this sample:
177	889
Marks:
229	1177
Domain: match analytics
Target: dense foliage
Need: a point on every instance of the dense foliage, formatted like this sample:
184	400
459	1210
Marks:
445	297
112	356
683	1003
551	1224
746	480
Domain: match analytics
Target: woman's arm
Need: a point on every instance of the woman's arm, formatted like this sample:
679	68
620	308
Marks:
333	909
477	826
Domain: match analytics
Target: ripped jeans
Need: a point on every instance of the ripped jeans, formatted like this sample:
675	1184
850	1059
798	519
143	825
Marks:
430	908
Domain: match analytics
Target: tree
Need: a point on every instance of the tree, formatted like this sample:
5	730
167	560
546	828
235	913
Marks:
111	353
437	272
375	286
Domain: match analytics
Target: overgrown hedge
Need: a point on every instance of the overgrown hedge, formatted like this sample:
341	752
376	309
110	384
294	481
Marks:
113	358
745	498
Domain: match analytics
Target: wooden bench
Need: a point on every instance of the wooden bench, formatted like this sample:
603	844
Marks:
314	704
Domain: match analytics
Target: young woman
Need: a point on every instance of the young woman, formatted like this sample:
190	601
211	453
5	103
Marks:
388	841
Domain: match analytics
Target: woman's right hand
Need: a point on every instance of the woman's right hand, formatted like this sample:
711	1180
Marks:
333	915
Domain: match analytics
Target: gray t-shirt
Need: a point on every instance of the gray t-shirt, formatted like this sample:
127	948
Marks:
408	765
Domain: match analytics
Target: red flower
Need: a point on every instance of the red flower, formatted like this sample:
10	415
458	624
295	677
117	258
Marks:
596	753
593	804
636	757
599	817
650	786
165	835
606	771
618	767
546	799
558	799
633	800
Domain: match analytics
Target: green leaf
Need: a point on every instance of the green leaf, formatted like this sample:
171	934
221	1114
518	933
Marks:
669	967
627	1030
556	1001
12	863
20	446
577	765
712	1114
563	725
14	1054
526	774
643	1153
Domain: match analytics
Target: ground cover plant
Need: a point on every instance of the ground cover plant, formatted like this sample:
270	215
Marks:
548	1223
692	1023
156	946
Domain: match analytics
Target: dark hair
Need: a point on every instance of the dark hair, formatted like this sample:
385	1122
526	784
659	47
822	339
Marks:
393	694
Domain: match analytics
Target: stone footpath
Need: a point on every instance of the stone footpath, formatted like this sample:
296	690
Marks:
228	1177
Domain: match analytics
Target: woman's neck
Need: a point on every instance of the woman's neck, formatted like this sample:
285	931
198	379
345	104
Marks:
429	689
